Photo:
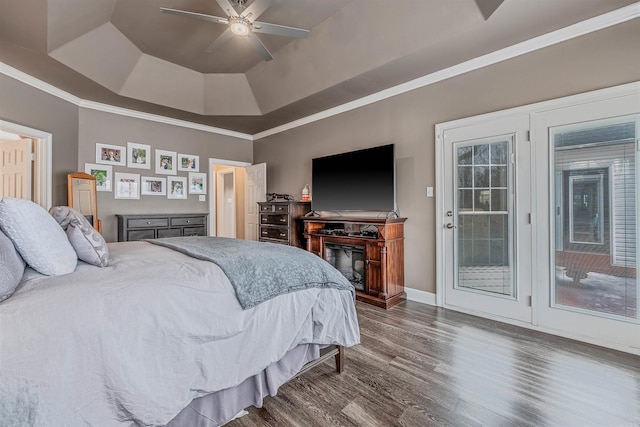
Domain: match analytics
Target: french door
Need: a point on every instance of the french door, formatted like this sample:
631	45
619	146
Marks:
586	239
538	217
486	229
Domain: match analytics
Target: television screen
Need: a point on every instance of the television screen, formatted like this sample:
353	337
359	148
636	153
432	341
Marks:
358	180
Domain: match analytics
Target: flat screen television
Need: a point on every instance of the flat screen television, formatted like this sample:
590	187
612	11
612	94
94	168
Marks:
363	180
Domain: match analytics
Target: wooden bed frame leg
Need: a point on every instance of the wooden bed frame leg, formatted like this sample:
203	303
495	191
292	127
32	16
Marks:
340	359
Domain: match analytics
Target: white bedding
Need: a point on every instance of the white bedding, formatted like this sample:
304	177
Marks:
135	342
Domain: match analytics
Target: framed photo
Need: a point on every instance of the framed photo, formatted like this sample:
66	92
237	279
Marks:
102	174
166	162
188	163
177	187
111	154
153	186
197	183
139	155
127	186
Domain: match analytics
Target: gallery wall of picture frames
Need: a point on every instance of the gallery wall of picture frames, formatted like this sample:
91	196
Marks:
131	185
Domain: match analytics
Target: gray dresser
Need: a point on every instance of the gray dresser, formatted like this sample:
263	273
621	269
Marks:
153	226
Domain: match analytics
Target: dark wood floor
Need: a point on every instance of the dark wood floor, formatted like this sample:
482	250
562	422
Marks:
419	365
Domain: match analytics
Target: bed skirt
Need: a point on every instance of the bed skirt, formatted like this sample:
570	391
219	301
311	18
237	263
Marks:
220	407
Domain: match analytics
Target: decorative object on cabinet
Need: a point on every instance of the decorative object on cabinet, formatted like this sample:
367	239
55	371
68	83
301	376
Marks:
127	186
82	196
166	162
177	187
153	186
367	251
197	183
272	197
139	155
154	226
102	174
280	222
188	163
305	193
111	154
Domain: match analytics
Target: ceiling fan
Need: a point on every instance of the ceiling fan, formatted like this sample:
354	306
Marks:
243	24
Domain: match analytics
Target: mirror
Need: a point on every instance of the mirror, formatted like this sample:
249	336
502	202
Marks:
83	198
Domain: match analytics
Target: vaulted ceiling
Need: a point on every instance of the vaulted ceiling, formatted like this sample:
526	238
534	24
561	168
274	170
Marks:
129	54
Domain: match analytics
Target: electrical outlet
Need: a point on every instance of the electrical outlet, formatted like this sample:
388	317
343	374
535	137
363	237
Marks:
202	198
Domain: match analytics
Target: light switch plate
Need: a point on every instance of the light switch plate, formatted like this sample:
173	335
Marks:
429	191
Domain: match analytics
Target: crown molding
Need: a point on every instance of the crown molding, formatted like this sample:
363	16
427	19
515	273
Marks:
606	20
600	22
98	106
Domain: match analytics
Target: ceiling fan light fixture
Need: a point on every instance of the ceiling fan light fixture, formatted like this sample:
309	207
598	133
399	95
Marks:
240	26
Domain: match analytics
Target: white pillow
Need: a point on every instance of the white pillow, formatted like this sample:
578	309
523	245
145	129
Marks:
11	267
37	236
87	242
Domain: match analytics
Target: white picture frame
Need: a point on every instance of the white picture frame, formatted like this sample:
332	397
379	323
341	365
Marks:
197	183
138	155
126	186
188	163
153	186
176	187
102	173
107	154
166	162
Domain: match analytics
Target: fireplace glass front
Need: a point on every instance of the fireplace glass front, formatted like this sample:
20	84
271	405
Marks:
348	260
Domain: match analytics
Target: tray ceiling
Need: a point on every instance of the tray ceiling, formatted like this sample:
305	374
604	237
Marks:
130	54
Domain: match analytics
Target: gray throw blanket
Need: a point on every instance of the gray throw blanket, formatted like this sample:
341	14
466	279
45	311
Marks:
259	271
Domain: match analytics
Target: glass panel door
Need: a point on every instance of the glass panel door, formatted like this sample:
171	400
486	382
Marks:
596	203
486	242
484	218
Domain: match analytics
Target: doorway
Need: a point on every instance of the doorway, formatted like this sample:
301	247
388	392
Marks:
41	155
236	188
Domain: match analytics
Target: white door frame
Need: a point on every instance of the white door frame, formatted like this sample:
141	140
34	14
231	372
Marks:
629	89
221	195
212	186
43	169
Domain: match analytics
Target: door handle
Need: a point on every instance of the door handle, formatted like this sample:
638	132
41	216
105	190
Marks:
450	226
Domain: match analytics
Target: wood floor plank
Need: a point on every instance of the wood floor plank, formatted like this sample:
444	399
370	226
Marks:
419	365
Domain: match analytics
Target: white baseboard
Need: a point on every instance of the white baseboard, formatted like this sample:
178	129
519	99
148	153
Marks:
420	296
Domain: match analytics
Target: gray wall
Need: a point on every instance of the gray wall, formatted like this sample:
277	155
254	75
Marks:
605	58
107	128
27	106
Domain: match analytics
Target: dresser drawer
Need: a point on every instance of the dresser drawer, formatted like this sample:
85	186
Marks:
195	231
199	220
141	234
274	233
168	232
275	208
272	219
148	222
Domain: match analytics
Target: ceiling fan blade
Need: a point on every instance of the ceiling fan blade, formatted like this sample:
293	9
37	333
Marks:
205	17
279	30
257	43
227	7
222	38
256	9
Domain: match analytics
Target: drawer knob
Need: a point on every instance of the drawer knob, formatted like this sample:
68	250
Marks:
283	219
264	233
188	221
283	235
148	222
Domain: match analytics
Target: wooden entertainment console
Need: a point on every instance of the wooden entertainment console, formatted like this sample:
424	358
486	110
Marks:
380	243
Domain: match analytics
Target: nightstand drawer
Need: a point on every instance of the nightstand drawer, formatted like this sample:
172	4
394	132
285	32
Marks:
149	222
271	219
274	233
200	220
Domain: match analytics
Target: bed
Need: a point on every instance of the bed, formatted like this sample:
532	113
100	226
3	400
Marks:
156	337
